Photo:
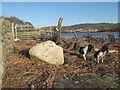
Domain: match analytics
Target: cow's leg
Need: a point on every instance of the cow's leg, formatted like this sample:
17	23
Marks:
84	56
98	59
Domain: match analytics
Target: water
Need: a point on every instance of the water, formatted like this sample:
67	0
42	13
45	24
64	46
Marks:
94	34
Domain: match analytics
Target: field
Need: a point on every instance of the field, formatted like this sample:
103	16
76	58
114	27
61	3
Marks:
21	71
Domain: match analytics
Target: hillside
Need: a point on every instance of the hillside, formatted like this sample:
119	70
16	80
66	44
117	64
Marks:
98	26
102	27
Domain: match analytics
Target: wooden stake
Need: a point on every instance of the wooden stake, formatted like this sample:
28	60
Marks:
59	28
13	31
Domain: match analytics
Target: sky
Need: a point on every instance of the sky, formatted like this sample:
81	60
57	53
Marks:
48	13
60	0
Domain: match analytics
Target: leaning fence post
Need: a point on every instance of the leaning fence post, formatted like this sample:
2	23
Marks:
59	28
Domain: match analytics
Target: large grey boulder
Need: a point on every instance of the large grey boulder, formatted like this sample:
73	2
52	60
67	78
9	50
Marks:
49	52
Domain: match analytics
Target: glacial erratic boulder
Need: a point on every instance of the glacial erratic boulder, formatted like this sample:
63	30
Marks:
48	52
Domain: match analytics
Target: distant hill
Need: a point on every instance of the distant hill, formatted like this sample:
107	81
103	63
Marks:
98	26
102	27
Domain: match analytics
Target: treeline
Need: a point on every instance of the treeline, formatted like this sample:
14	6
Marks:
16	20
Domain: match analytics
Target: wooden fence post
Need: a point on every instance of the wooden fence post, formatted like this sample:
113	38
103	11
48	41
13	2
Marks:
75	35
13	32
50	29
59	28
16	32
28	28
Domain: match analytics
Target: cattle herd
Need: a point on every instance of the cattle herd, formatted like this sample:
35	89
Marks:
98	55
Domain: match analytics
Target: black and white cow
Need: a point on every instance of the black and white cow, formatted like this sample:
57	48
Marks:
84	50
101	52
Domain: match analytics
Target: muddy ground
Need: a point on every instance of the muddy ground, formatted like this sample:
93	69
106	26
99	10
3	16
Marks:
22	72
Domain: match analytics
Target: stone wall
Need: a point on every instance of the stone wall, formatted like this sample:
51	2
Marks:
1	56
6	45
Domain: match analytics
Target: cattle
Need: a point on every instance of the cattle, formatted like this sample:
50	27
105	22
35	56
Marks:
84	50
99	54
